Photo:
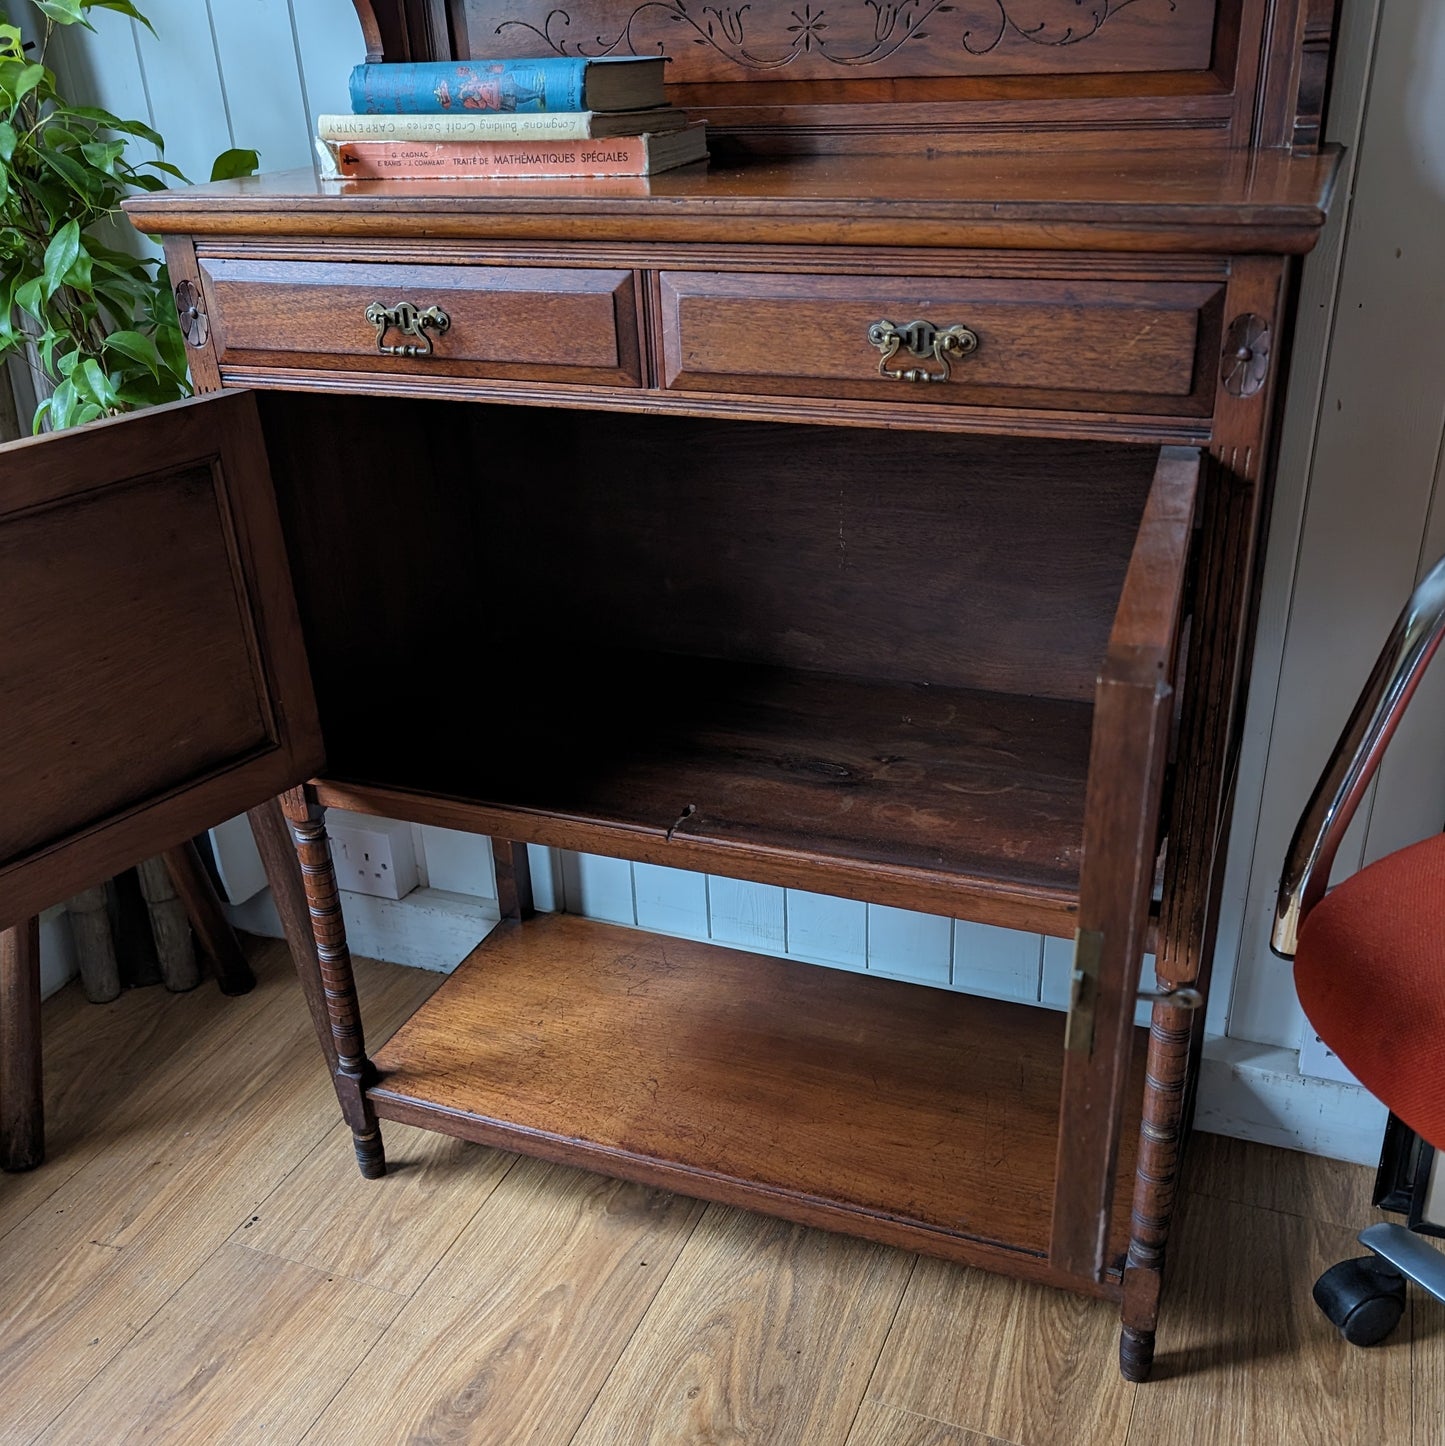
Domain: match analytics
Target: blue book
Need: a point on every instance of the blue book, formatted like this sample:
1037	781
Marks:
490	87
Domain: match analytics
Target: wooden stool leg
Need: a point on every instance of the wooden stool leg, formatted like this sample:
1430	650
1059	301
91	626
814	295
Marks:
170	926
203	906
22	1100
89	917
354	1071
278	855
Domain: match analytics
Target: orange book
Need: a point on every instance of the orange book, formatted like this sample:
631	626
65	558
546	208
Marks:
642	155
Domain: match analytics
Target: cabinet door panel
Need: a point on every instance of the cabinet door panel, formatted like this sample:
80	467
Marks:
152	674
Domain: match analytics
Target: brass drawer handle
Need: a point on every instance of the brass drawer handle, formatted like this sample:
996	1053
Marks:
923	340
410	320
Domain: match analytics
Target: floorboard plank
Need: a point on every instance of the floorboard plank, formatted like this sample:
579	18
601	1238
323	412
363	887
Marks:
763	1332
389	1232
512	1335
1005	1358
879	1425
1245	1355
250	1349
1330	1191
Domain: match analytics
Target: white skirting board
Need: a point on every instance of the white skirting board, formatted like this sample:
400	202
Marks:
1256	1092
430	928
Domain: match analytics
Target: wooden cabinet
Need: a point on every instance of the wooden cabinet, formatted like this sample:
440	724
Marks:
964	634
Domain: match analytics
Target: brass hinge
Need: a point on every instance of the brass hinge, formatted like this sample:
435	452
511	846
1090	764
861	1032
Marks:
1084	993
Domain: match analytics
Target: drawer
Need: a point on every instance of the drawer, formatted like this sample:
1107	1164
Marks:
522	323
1120	346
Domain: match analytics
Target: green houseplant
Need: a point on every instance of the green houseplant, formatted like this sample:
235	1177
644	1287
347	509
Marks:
97	322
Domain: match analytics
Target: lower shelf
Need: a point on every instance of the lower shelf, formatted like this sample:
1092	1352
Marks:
913	1116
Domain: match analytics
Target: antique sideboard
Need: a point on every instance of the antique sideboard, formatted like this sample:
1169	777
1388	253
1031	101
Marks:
873	511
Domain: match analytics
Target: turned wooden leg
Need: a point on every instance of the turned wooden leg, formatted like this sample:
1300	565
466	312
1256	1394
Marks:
283	873
22	1100
514	879
353	1072
203	907
1156	1182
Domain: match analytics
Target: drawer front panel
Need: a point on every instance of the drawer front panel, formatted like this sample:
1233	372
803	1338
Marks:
1090	345
520	323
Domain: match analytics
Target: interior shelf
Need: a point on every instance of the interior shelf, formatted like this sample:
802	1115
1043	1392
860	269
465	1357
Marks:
968	801
907	1114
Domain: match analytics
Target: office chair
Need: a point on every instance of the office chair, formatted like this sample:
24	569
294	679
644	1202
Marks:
1369	967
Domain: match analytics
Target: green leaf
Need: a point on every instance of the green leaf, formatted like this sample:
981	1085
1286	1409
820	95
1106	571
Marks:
103	154
78	276
97	383
31	296
94	384
144	391
41	412
138	348
169	169
28	78
45	345
125	8
12	42
172	347
62	405
115	123
233	163
63	12
67	364
8	138
60	256
90	412
146	183
84	183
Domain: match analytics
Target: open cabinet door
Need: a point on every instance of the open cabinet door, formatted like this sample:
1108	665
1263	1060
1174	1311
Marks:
152	675
1133	710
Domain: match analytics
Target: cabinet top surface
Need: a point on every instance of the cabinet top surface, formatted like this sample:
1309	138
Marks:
1190	200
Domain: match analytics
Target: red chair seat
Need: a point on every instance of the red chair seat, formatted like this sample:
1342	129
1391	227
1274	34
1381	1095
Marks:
1370	971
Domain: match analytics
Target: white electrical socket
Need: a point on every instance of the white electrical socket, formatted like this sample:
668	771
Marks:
374	856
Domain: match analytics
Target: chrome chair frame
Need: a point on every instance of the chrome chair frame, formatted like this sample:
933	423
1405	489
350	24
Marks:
1412	643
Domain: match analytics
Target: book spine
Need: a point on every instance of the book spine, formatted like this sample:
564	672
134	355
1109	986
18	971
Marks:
485	87
568	125
489	160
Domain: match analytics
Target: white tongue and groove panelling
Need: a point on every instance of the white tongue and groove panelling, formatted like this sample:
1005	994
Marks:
819	929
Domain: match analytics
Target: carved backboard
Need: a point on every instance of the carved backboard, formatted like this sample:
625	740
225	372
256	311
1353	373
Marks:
884	75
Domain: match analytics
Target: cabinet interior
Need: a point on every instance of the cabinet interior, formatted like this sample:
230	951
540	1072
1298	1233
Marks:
792	649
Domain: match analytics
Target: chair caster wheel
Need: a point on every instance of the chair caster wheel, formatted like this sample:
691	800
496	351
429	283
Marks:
1365	1298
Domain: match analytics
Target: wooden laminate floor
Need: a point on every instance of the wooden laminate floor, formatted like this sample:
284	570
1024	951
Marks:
199	1261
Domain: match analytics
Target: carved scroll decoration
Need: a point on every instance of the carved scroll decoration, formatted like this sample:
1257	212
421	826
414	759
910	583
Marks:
736	34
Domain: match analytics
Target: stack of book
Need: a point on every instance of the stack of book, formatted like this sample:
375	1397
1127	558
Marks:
558	116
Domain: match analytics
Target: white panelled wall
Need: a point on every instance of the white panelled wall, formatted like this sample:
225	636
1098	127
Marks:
1354	522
